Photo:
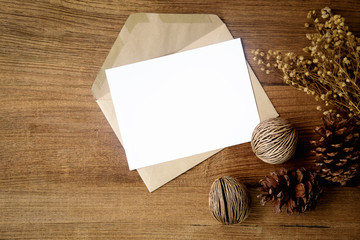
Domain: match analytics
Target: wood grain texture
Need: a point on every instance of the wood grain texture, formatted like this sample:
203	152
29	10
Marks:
63	173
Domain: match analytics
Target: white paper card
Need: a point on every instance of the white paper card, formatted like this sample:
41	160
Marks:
183	104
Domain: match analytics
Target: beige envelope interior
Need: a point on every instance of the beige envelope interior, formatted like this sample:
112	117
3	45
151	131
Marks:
145	36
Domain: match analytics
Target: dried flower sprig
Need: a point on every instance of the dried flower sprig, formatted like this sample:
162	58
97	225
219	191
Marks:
330	67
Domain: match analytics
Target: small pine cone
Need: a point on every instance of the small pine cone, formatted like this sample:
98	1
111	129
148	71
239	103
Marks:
298	190
337	151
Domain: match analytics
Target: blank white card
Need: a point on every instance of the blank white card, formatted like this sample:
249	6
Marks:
183	104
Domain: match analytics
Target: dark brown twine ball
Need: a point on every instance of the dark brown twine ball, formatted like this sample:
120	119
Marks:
229	201
274	140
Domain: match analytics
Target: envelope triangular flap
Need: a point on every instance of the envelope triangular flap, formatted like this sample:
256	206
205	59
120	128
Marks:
142	38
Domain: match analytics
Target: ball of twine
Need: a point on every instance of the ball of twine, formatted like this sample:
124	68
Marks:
229	201
274	140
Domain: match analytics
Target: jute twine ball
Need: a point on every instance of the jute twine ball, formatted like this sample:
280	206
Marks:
274	140
229	201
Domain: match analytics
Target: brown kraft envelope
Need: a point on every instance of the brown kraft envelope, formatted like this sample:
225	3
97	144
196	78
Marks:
149	35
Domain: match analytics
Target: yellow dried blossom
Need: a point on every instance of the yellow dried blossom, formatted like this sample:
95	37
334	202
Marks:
309	15
325	12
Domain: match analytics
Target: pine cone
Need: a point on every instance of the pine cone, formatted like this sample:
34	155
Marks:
337	150
298	190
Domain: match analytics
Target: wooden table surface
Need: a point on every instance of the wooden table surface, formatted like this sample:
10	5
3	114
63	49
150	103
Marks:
63	172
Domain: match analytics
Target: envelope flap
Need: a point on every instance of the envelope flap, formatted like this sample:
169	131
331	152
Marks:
142	37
